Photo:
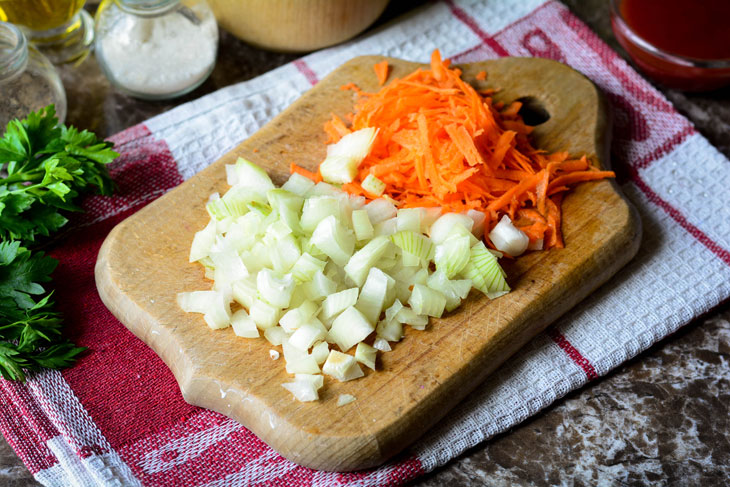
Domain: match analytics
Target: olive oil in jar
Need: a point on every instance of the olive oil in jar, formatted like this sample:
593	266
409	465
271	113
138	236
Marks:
39	15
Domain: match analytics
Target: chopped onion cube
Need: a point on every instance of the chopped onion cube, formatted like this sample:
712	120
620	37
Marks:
306	335
427	301
203	241
320	351
334	240
390	330
275	291
380	210
365	354
302	365
453	290
452	255
320	286
343	399
443	228
382	345
298	184
409	219
274	354
376	290
363	260
373	185
243	325
305	386
361	225
306	267
244	291
340	165
251	176
342	366
414	244
263	314
349	328
296	317
409	317
336	303
508	238
275	335
316	209
485	272
479	218
387	227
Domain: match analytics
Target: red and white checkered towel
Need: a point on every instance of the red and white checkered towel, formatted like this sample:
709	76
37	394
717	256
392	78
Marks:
117	417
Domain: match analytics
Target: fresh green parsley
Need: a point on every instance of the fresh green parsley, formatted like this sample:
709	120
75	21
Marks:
44	168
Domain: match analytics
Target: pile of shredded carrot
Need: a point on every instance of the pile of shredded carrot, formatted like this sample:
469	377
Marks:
443	143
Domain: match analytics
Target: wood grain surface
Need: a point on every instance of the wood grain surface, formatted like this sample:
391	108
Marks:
144	263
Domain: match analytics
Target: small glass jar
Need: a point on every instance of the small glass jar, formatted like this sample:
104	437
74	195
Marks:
28	81
156	49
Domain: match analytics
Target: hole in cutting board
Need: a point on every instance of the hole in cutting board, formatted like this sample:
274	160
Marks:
533	112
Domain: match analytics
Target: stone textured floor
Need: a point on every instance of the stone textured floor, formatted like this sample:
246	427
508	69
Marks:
661	419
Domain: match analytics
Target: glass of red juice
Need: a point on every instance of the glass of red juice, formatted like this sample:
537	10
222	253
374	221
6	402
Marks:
681	44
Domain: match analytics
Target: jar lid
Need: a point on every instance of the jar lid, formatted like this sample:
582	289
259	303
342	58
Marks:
148	7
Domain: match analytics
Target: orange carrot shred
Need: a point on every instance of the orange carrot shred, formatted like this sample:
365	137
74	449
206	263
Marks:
314	176
381	71
441	143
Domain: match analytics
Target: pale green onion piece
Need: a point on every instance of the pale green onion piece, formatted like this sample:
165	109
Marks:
275	335
261	209
361	225
234	203
203	241
453	290
304	365
414	244
284	254
263	314
342	366
319	287
343	157
289	206
298	184
274	354
344	399
306	267
349	328
251	176
363	260
409	317
366	355
386	227
380	210
304	388
334	240
324	189
316	209
452	255
409	219
336	303
296	317
275	291
429	216
508	238
427	301
381	344
230	263
373	185
320	351
244	291
485	273
374	294
443	228
243	325
339	169
198	301
389	330
306	335
393	310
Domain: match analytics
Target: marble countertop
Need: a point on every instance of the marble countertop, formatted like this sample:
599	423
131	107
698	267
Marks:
661	419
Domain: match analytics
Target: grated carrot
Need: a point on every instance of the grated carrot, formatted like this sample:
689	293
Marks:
381	71
442	143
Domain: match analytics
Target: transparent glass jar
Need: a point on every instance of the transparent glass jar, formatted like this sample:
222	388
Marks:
28	81
156	49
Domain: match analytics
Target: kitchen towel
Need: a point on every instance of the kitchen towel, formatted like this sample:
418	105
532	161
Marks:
117	417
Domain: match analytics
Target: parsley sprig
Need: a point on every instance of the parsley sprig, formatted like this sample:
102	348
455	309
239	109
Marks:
44	168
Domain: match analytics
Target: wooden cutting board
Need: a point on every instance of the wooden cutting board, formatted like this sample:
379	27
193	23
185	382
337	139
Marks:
144	263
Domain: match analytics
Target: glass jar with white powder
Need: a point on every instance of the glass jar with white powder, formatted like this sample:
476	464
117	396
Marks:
156	49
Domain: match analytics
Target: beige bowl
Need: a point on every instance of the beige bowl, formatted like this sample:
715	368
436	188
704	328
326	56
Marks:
296	25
